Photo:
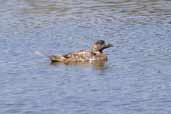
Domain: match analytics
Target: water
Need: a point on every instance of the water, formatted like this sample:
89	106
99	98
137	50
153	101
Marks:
135	80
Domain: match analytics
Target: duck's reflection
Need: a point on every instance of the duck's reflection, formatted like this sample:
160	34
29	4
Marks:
97	64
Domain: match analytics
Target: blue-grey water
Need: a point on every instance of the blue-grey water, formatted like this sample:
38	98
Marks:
135	80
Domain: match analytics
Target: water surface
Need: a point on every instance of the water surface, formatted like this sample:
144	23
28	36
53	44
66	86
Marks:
135	80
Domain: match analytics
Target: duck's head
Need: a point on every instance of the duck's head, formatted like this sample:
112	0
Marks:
100	45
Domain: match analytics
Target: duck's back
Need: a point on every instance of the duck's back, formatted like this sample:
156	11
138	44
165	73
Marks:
79	56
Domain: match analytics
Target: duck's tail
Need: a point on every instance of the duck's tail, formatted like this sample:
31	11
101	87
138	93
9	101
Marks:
57	58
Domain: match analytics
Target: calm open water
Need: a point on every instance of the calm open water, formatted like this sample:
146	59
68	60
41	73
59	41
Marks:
135	80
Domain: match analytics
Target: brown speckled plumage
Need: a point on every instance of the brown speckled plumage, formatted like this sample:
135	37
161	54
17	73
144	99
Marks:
84	56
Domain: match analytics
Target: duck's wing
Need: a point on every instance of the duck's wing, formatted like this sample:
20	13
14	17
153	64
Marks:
82	55
78	53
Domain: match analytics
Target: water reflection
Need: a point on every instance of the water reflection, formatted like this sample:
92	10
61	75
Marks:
47	7
97	11
97	65
68	7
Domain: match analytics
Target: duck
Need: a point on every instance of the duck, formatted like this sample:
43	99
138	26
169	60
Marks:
94	54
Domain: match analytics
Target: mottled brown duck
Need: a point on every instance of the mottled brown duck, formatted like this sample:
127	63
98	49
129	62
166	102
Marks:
95	54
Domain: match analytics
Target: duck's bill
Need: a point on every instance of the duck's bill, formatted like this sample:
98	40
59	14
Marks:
109	45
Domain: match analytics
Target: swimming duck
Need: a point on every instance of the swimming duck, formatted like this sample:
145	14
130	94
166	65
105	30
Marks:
95	54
